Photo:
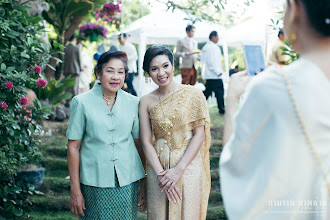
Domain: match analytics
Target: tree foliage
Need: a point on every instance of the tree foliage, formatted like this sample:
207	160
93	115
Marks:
211	10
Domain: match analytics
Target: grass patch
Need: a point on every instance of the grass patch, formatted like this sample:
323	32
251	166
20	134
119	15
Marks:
215	175
216	213
215	198
57	173
61	215
217	120
214	162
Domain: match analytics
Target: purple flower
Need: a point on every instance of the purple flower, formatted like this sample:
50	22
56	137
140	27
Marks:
41	83
106	5
9	85
37	69
3	105
23	101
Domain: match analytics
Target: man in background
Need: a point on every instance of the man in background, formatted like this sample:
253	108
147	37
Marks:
132	57
276	52
72	64
187	48
212	70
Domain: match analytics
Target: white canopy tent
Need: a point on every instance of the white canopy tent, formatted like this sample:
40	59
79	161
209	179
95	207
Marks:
167	28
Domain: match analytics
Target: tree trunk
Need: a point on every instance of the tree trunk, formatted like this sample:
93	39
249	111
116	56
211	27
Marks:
73	26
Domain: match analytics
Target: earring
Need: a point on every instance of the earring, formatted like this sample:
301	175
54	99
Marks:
146	78
292	37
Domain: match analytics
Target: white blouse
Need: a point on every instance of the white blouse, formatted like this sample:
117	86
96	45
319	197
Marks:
267	169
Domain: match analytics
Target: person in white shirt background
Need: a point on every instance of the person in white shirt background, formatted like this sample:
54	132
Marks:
132	57
212	70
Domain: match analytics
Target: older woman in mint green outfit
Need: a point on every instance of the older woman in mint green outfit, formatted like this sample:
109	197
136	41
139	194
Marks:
104	163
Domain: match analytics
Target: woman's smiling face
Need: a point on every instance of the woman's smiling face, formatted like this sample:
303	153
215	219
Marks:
161	70
113	75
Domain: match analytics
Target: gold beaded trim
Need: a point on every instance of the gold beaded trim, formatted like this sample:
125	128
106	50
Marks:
304	128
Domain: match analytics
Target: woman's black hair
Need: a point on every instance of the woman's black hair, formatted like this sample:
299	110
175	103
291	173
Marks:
105	57
318	12
154	51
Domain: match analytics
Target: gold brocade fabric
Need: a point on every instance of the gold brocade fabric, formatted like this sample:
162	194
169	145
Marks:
173	120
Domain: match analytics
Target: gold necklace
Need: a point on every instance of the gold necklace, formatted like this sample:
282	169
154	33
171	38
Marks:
109	101
304	128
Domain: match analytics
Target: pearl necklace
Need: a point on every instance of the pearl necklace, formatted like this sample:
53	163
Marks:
305	131
109	101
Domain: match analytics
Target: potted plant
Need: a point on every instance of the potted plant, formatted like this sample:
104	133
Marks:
108	11
93	31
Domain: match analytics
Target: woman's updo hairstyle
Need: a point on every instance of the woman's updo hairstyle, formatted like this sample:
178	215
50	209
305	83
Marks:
154	51
105	57
318	13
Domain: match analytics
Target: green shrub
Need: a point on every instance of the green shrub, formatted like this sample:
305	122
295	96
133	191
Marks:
22	56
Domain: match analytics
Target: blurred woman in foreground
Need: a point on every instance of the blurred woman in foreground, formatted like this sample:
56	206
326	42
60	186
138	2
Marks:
275	164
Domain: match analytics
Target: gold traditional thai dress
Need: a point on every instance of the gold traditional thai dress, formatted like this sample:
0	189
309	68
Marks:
173	120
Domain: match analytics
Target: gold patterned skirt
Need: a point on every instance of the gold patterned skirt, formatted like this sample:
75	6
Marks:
191	184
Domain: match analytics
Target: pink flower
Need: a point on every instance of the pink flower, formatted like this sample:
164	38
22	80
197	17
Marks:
41	83
9	85
37	69
27	118
106	5
120	2
3	105
23	101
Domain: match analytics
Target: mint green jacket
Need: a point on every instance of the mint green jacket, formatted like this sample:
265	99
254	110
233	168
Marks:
107	145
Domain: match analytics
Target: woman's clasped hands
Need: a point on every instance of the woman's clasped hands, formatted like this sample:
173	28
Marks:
168	180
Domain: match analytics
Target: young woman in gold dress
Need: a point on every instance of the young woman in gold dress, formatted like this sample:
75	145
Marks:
175	133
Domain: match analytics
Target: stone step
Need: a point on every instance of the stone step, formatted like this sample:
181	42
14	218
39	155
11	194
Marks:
57	173
50	202
55	185
53	141
55	152
53	164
